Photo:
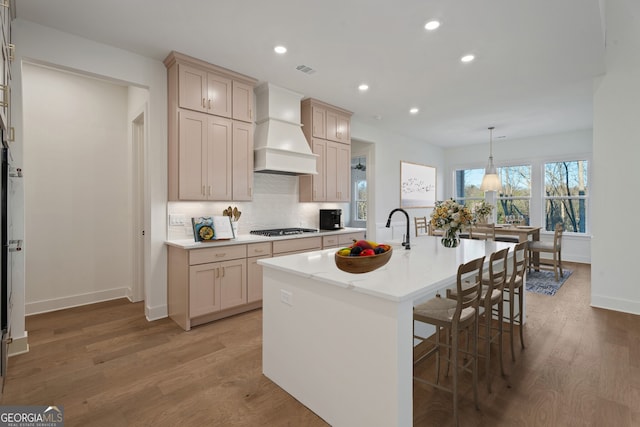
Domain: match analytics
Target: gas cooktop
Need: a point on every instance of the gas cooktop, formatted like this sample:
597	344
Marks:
283	231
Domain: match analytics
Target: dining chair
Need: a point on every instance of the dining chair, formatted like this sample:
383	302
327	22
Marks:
421	225
515	288
555	248
491	298
482	231
452	317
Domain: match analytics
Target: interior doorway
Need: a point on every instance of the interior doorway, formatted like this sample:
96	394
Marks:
362	206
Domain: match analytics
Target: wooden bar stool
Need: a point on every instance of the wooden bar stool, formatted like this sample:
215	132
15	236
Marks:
515	288
453	316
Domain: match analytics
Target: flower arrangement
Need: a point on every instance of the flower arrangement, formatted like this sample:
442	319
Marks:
481	211
450	216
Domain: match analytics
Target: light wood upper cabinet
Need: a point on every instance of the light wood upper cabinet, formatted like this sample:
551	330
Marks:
219	90
319	122
327	130
242	167
242	102
204	157
338	127
210	131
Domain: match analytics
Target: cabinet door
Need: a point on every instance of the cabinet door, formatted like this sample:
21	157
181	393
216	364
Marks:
319	121
192	88
338	128
331	168
233	283
319	184
242	102
204	294
219	158
242	178
343	171
219	91
254	279
343	131
192	164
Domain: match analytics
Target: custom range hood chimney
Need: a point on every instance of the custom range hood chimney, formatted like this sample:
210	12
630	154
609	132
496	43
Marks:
279	144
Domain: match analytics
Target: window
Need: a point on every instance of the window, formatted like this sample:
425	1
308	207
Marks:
468	186
360	200
515	197
566	195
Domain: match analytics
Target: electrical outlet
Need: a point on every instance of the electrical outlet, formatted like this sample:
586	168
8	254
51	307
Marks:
286	297
177	219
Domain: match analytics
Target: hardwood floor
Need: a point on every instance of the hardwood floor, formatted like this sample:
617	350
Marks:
108	366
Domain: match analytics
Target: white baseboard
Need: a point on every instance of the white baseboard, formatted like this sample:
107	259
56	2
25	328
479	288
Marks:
45	306
616	304
19	345
155	313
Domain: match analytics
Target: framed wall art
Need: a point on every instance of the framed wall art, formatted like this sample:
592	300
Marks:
417	185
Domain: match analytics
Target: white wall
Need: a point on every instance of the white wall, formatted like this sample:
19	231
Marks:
390	149
42	44
616	152
535	151
77	204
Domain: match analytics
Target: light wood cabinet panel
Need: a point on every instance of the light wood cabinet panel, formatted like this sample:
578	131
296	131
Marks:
233	283
192	161
330	242
204	295
242	167
254	279
319	122
219	91
305	244
219	158
242	102
192	93
347	239
338	127
337	171
204	157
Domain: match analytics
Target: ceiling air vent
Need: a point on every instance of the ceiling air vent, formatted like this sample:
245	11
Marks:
305	69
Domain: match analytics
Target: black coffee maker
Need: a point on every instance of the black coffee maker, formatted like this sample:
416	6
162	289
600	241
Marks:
330	219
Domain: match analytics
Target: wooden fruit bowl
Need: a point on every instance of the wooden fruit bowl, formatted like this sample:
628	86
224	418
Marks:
362	264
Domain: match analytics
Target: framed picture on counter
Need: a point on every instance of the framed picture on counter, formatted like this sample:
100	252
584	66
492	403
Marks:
417	185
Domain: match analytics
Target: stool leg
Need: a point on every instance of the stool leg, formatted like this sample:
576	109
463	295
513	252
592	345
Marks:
454	344
437	354
500	331
520	306
511	315
487	349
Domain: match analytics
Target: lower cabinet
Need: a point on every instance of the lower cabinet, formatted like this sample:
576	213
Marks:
217	286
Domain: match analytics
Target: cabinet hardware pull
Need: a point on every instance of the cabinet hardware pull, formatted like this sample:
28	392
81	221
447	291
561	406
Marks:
221	254
203	193
258	250
250	113
250	192
209	103
217	272
5	90
204	103
12	51
222	271
208	190
12	134
5	3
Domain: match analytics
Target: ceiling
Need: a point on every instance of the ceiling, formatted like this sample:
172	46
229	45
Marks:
533	73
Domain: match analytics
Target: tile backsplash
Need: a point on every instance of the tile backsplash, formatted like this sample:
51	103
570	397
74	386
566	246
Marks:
275	204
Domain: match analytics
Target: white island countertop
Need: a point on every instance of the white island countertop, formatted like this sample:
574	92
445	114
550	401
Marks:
243	239
408	275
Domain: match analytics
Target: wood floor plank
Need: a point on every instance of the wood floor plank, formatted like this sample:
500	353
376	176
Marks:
108	366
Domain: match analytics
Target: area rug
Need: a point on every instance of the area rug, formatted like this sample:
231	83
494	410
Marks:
544	282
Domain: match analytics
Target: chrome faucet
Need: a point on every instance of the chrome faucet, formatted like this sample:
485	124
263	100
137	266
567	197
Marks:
405	241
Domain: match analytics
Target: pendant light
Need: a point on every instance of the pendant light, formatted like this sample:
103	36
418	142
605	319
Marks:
491	180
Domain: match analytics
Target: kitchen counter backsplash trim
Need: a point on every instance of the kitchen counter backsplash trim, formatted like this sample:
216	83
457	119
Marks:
250	238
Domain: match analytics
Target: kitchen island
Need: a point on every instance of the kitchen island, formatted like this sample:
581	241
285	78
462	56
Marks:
342	343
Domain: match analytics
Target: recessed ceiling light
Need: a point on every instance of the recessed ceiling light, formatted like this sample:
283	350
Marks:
467	58
431	25
280	49
363	87
414	110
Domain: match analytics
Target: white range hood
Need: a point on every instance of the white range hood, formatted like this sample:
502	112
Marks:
279	144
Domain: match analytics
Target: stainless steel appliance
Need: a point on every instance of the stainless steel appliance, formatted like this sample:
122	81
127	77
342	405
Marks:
283	231
330	219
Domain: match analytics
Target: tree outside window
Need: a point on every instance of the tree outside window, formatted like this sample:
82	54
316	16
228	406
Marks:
515	197
566	195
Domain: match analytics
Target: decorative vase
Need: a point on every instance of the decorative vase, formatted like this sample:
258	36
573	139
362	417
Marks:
450	238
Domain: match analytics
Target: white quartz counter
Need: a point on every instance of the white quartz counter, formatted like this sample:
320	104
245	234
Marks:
408	275
251	238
